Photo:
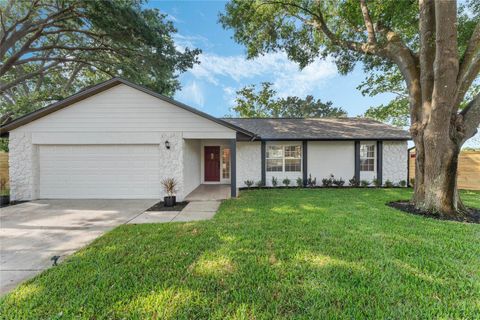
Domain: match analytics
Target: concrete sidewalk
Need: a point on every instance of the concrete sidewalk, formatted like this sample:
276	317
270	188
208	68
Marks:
194	211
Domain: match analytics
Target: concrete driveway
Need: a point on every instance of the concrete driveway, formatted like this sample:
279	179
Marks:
32	233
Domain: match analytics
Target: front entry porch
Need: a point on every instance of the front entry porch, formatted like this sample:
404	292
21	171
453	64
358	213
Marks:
209	192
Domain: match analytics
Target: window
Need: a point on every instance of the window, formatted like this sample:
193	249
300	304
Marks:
367	157
275	158
293	159
226	163
284	158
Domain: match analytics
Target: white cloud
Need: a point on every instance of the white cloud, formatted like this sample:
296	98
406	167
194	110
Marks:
192	93
286	76
192	42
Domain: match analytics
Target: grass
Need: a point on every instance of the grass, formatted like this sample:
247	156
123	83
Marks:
323	253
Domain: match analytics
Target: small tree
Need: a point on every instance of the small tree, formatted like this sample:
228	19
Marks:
169	186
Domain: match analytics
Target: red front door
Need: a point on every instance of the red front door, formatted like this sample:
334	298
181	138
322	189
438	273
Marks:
212	163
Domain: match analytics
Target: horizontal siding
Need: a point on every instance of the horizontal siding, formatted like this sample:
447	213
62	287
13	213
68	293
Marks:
124	109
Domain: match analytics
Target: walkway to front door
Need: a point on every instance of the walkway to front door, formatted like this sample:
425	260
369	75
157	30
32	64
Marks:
206	192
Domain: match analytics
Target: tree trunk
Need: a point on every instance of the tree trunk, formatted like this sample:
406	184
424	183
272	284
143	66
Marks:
438	129
437	167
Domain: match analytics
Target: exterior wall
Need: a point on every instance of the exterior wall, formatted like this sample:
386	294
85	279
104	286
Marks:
249	162
125	109
191	165
282	175
23	166
395	157
331	157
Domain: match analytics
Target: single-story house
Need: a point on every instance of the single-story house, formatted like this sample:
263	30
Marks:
119	140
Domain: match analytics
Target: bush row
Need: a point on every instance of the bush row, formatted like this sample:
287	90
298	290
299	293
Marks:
330	181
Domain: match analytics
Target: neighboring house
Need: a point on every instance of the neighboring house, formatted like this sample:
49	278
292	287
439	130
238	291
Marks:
119	140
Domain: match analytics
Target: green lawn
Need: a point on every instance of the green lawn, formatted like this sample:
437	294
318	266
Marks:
320	253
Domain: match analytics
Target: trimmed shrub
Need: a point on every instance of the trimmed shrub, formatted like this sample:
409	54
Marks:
388	183
311	182
286	182
274	181
260	184
376	182
249	183
339	182
299	182
354	182
364	183
402	183
327	182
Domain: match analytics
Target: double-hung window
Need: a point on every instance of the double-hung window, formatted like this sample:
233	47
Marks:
367	157
286	158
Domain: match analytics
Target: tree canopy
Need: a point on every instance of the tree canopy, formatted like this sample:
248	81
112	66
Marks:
264	103
50	49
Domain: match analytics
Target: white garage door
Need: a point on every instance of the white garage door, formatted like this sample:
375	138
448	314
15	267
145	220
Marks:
99	172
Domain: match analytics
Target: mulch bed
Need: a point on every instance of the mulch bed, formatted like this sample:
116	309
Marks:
161	207
473	215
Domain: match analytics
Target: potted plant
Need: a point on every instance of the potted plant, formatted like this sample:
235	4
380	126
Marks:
4	192
169	185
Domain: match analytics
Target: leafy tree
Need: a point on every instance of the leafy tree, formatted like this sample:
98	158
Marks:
264	104
397	111
434	45
50	49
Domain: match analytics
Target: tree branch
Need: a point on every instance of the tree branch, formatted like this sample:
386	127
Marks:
445	67
27	76
427	55
368	22
470	118
469	66
24	49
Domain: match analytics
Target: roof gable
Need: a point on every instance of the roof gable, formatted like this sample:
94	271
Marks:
99	88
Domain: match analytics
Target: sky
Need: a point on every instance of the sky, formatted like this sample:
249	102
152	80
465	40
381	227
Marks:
211	85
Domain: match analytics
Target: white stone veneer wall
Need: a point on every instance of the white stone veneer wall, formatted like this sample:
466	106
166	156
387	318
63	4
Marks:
249	162
171	161
395	161
23	164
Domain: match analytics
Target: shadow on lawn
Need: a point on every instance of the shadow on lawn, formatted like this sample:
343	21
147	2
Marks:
268	258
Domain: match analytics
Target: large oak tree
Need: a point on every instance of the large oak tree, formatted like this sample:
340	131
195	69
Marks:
52	48
435	46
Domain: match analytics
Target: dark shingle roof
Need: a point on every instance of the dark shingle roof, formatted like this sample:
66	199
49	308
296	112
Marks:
319	128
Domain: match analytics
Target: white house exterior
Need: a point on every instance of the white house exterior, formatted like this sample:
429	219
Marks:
118	141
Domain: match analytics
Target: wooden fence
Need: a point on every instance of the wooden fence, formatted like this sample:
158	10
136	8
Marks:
4	165
468	169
